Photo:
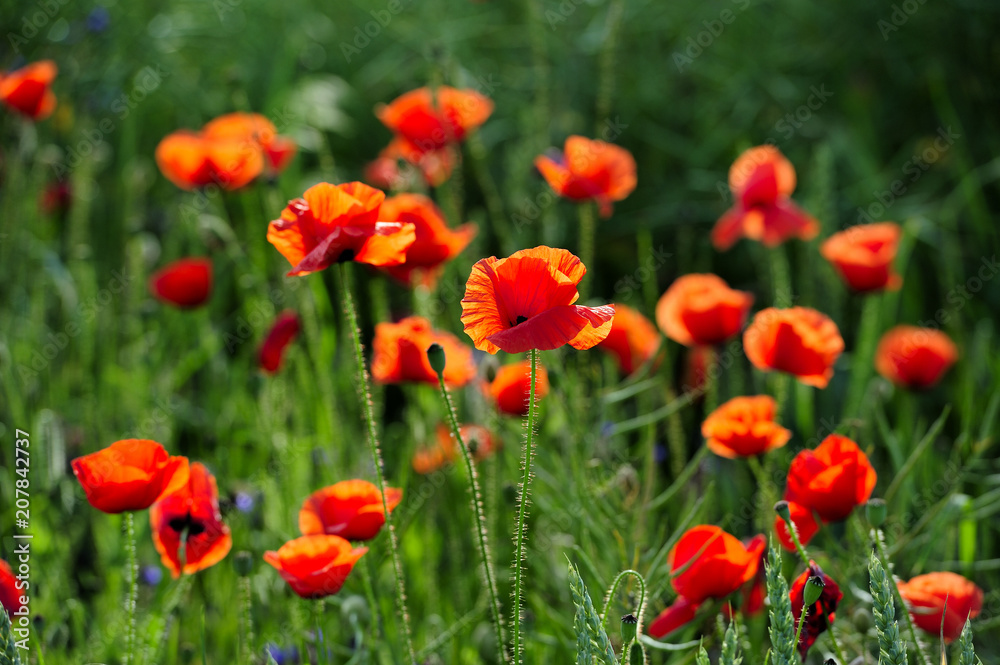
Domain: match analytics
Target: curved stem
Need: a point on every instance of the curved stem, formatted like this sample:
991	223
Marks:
477	511
366	402
522	511
611	596
133	588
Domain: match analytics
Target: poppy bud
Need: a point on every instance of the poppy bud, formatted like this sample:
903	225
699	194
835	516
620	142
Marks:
783	511
629	625
435	356
814	589
635	656
875	512
243	563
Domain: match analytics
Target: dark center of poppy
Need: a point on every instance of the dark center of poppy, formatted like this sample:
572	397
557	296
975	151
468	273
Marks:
345	256
186	523
520	320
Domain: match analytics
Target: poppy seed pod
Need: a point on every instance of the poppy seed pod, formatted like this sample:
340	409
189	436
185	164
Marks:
813	590
435	356
875	511
629	626
783	511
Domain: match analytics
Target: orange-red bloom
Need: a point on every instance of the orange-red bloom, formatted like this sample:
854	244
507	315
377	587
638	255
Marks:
801	341
131	474
185	283
27	90
914	357
444	451
435	243
714	563
10	595
743	427
632	340
927	595
511	387
253	129
191	160
832	479
762	181
679	614
190	518
863	255
526	302
701	309
282	333
820	615
590	170
350	509
401	354
337	223
805	524
315	566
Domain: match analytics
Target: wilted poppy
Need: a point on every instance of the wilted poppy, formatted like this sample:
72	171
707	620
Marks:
315	566
526	302
350	509
701	309
27	90
432	119
707	563
832	479
191	160
131	474
10	595
254	129
863	255
184	283
282	333
806	526
337	223
511	387
444	450
800	341
589	170
401	354
435	243
914	357
762	180
632	340
676	616
927	595
190	518
819	615
743	427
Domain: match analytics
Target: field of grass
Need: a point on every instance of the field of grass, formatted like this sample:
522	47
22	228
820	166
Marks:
887	111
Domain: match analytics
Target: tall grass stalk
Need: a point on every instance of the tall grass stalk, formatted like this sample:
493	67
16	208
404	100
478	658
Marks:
782	620
892	650
522	510
879	539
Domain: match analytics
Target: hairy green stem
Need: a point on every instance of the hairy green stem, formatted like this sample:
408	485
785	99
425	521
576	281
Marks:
522	510
133	587
246	598
611	596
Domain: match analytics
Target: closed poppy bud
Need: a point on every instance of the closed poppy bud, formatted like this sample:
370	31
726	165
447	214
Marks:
315	566
831	480
707	563
632	340
875	511
863	255
27	90
783	510
941	601
817	592
744	427
243	563
914	357
806	526
590	170
401	354
131	474
701	310
10	595
350	509
511	387
186	283
282	333
679	614
798	340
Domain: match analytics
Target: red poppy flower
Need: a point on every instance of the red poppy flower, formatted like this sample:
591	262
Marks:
191	160
431	458
832	479
254	129
914	357
10	595
432	119
755	590
820	615
435	243
743	427
707	563
697	361
590	170
863	255
805	524
675	617
184	283
350	509
282	333
131	474
435	165
801	341
191	512
762	180
511	387
632	340
27	90
337	223
701	309
401	354
927	595
315	566
526	302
